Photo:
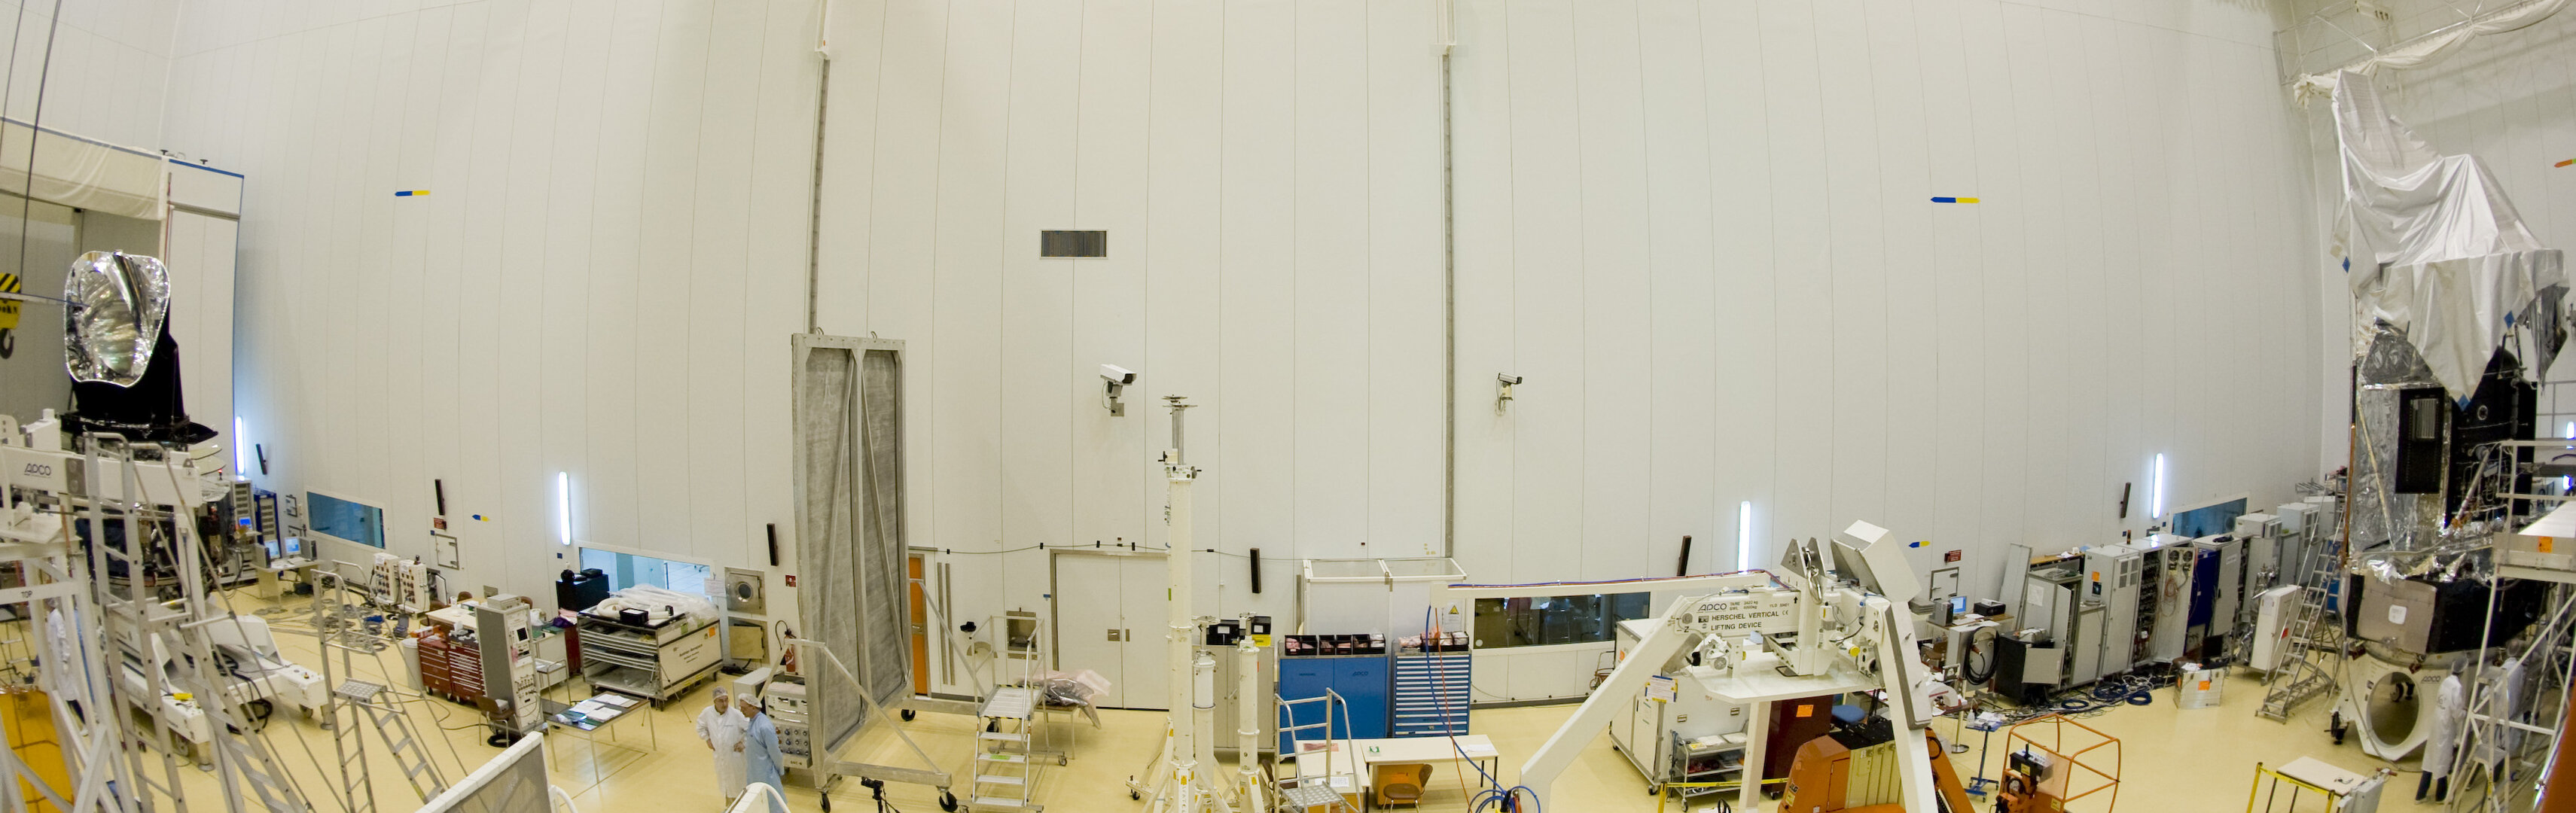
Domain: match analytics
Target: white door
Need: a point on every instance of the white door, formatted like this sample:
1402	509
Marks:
1147	661
1109	619
1089	628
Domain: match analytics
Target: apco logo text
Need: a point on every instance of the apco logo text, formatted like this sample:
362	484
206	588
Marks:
39	470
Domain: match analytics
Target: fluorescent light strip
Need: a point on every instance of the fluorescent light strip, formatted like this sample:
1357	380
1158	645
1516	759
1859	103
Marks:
241	449
1744	535
563	507
2156	489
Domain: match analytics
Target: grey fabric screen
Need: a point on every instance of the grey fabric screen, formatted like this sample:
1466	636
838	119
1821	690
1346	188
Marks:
886	633
849	479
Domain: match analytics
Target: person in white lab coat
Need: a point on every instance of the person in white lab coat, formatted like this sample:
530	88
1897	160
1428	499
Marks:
2450	710
721	727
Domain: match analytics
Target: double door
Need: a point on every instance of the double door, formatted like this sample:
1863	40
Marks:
1110	617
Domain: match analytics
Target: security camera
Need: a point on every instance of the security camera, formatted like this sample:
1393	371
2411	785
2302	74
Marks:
1118	378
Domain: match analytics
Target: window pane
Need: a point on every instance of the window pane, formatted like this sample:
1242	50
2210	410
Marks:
1550	620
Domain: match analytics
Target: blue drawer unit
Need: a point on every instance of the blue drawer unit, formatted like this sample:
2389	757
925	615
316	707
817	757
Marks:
1361	680
1431	694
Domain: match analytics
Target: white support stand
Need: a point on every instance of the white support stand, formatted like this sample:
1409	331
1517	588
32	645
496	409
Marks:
1251	794
1182	788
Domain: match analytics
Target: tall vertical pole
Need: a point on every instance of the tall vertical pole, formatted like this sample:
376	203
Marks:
1183	729
1247	723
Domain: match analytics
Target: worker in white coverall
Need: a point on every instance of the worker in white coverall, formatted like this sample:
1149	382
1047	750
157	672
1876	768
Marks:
2450	710
721	727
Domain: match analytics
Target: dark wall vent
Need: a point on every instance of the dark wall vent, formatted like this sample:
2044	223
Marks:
1073	244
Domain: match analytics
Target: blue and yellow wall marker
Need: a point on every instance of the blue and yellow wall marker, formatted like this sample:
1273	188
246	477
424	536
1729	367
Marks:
410	193
1953	200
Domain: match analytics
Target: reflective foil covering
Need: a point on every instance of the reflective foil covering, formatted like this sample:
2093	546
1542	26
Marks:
118	302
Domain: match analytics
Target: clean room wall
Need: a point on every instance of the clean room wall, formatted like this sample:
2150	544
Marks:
1702	233
110	60
1268	173
600	278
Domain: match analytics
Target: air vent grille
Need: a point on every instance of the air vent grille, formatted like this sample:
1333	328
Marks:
1073	244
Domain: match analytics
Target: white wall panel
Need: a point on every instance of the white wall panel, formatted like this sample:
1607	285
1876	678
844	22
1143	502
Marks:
965	389
1615	310
1334	228
1110	455
1681	297
1256	273
1405	335
1546	413
109	60
1036	378
1184	274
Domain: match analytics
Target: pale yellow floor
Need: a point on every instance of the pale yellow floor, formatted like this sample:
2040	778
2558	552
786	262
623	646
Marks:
2171	759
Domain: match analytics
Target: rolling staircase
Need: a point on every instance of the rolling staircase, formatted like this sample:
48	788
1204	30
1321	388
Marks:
2298	678
1006	774
394	728
1313	789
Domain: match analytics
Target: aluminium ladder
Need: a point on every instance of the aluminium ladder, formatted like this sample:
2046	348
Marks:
1005	776
1308	791
1005	772
394	728
2295	678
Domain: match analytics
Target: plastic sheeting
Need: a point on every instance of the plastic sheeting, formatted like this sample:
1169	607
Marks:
2433	249
2429	49
79	172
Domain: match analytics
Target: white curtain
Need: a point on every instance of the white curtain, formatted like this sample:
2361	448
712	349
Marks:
80	173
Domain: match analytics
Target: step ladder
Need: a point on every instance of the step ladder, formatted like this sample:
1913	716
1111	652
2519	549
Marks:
1313	790
1006	772
394	728
1005	775
242	756
245	754
2295	678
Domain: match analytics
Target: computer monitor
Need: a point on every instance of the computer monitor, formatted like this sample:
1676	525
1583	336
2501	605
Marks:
294	547
1958	605
274	552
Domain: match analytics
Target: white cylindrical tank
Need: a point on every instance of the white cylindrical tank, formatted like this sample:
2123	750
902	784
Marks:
1203	682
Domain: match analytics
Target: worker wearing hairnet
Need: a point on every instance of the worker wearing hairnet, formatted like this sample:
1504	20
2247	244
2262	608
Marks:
762	761
721	727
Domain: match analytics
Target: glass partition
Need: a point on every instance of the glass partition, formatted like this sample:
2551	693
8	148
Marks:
626	570
1549	620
